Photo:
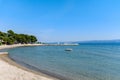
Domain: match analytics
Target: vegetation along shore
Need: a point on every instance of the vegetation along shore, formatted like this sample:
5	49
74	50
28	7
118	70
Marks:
13	38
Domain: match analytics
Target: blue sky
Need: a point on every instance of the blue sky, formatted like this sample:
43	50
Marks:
62	20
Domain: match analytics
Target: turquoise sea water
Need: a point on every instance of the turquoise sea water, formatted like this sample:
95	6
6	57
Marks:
85	62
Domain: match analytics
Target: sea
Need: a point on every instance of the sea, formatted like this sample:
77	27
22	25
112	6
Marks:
84	62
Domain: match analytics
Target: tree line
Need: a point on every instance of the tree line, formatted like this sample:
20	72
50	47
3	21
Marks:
13	38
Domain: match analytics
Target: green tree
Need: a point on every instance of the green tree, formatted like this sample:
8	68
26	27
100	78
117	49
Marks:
13	38
10	33
33	39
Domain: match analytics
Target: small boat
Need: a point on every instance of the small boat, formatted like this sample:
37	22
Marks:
68	49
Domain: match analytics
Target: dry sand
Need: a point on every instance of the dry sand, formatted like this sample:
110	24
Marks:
18	45
9	70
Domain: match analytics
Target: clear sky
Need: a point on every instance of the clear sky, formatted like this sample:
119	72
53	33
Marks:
62	20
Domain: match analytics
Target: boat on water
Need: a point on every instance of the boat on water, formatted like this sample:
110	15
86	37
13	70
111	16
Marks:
68	49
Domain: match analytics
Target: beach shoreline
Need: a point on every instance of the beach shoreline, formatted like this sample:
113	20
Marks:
13	67
18	45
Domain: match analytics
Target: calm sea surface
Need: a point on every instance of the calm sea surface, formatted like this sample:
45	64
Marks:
85	62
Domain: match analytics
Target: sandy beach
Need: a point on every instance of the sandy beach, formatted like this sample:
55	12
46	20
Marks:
18	45
9	70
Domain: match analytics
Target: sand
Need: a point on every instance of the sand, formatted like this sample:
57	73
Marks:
18	45
9	70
